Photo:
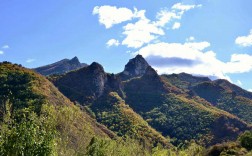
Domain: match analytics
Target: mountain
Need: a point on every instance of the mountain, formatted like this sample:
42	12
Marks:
183	80
134	68
219	93
172	112
102	93
167	103
27	101
226	96
60	67
89	83
112	111
87	111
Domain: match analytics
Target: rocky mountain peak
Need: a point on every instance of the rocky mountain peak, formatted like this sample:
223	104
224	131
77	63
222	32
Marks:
75	60
96	67
136	67
150	72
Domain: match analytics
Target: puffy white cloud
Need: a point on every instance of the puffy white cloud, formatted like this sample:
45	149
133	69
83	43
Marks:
113	42
239	63
244	41
143	30
5	47
30	60
176	25
165	16
194	59
250	90
1	52
110	15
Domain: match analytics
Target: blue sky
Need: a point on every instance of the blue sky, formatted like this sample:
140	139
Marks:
201	37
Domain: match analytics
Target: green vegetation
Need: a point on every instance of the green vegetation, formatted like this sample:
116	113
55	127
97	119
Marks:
36	119
112	111
175	114
226	99
219	93
27	134
181	119
246	140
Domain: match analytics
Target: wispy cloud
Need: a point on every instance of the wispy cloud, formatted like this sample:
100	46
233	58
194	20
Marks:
183	7
244	41
191	38
30	60
5	47
113	42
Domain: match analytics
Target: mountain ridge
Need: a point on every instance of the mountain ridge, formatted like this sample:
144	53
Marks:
60	67
149	94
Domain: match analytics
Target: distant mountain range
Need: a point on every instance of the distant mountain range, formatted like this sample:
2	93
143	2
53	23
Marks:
60	67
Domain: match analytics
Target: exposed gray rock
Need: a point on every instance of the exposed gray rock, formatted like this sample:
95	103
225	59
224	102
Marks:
99	78
134	68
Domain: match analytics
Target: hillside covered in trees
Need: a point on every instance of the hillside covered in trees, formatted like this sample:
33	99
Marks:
87	111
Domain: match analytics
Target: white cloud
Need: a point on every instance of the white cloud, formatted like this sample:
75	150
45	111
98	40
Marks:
239	63
198	45
30	60
176	25
244	41
250	90
1	52
113	42
194	59
165	16
182	7
111	15
143	30
5	47
189	39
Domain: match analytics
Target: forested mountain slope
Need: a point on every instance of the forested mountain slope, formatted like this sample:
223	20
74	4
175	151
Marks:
32	109
171	108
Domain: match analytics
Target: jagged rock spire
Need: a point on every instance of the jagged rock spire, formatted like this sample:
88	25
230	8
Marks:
136	67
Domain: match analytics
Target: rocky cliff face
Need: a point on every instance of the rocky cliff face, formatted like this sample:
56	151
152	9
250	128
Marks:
134	68
99	78
60	67
87	84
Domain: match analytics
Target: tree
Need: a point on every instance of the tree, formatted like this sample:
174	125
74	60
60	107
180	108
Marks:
26	136
246	140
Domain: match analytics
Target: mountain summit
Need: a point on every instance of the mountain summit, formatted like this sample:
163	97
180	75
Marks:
60	67
134	68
